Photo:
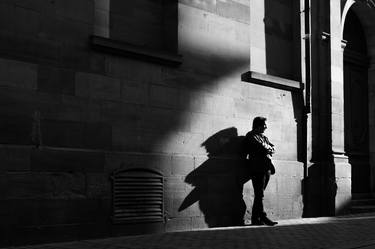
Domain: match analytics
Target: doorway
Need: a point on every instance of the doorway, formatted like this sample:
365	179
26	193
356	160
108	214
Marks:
356	103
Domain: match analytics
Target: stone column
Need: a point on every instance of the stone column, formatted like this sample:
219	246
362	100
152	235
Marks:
371	90
341	166
370	30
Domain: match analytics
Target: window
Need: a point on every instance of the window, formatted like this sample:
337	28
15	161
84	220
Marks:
145	29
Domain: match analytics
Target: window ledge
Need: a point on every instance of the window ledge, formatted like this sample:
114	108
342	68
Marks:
121	48
271	81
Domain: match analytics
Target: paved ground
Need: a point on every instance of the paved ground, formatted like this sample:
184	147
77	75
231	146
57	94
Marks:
334	233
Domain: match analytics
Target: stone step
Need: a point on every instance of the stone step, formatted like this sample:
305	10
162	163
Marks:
358	196
363	202
362	209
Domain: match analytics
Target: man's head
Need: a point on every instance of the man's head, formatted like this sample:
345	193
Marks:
259	124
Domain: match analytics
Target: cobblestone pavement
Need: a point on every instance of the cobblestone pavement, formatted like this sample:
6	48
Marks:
335	233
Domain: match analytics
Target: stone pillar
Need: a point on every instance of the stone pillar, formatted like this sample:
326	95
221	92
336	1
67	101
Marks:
371	98
341	166
371	90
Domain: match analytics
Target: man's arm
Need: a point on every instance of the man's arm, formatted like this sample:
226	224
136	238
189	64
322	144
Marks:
261	144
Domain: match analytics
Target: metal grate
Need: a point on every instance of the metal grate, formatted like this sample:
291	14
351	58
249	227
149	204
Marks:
137	196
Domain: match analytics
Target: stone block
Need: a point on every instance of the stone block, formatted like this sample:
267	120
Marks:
68	185
198	102
62	133
209	5
198	223
344	186
175	184
182	165
342	203
233	10
98	185
97	136
102	5
131	140
15	130
289	168
27	21
223	106
28	185
56	80
157	162
289	187
122	115
97	86
67	30
161	96
76	134
82	11
183	143
18	74
64	160
179	224
7	17
161	120
343	170
39	49
134	92
74	57
52	212
337	105
71	108
15	158
133	70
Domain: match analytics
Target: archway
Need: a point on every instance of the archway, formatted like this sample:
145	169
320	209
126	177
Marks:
359	91
356	103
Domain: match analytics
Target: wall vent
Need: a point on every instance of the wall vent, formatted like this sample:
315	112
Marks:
137	196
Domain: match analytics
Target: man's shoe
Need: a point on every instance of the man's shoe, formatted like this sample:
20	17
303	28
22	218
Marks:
267	221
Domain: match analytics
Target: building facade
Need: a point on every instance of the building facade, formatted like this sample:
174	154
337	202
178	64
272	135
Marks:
126	117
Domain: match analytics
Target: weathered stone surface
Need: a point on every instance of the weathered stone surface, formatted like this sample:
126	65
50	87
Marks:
18	74
27	21
56	80
178	224
98	185
182	165
50	212
81	12
48	160
234	10
15	130
76	134
107	112
161	96
15	158
158	162
29	48
134	92
97	86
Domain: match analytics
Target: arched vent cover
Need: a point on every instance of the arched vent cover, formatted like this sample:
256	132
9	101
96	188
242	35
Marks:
137	196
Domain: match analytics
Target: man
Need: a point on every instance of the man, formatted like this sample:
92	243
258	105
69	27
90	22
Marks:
259	150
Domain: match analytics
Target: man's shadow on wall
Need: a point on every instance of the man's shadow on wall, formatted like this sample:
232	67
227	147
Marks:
218	182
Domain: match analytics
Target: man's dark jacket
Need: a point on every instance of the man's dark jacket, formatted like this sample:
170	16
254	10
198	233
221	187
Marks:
259	149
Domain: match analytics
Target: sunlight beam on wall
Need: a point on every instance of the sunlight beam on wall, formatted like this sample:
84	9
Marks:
258	61
102	13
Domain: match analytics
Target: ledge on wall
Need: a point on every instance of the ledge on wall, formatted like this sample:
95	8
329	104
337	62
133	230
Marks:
122	48
271	81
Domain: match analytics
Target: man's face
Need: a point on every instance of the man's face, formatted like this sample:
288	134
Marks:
262	128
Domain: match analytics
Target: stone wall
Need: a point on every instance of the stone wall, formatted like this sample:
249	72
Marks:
70	115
